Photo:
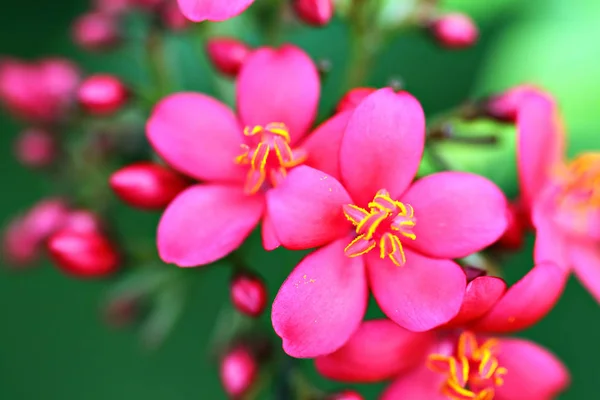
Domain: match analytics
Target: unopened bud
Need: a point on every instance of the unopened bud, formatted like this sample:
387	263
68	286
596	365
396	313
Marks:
314	12
96	31
346	395
455	31
102	94
238	372
83	254
147	186
35	148
248	295
227	55
353	98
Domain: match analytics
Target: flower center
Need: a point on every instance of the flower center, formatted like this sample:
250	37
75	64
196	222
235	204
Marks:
383	225
270	157
473	373
579	182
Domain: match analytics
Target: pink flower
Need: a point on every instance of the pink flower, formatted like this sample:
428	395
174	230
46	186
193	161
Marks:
423	362
379	230
212	10
239	157
563	197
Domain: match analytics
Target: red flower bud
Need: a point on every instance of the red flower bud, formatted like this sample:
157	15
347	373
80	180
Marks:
314	12
83	254
455	31
238	371
96	31
147	186
353	98
102	94
227	55
346	395
35	148
248	295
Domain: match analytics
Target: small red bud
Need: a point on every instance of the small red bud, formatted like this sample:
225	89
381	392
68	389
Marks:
227	55
455	31
35	148
83	254
346	395
102	94
238	371
353	98
96	31
147	186
314	12
248	295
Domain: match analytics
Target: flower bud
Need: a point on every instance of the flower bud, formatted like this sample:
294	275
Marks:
83	254
346	395
102	94
353	98
35	148
227	55
314	12
121	311
147	186
455	31
238	372
82	221
172	18
248	295
96	31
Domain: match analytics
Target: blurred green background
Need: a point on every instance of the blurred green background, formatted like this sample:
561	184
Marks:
53	343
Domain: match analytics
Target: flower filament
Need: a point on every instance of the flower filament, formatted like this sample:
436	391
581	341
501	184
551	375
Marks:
270	157
473	373
384	224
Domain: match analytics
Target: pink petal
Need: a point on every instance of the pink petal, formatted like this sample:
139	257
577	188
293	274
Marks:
306	209
197	135
379	350
419	384
422	294
533	372
481	295
550	241
279	85
382	145
212	10
540	142
527	301
205	223
457	214
585	258
322	302
323	145
269	237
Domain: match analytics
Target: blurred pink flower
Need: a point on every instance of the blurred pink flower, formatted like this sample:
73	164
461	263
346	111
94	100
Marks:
441	365
240	157
378	229
36	148
212	10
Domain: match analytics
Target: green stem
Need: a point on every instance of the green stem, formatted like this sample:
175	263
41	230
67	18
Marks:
157	62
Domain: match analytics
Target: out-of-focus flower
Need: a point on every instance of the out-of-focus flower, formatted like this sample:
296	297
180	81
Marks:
102	94
41	91
446	365
147	185
83	252
238	371
239	157
212	10
455	31
172	17
314	12
248	294
227	55
378	229
96	31
24	238
35	148
352	99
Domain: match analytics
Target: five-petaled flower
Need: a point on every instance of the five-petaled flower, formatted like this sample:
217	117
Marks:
238	157
376	226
